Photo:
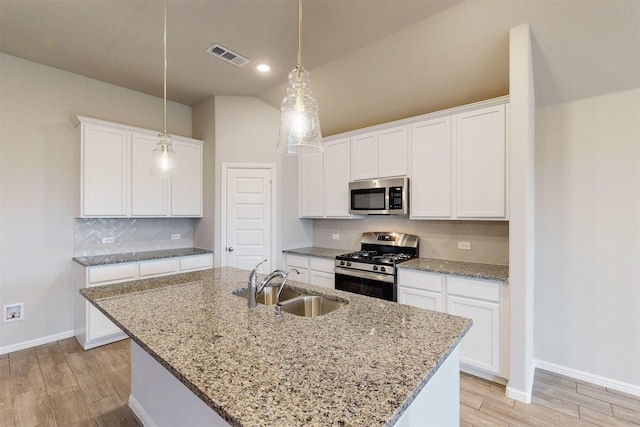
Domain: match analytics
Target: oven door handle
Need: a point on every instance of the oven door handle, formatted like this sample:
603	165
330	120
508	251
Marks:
364	275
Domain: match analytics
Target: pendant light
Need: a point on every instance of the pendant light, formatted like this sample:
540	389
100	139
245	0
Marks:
299	121
163	158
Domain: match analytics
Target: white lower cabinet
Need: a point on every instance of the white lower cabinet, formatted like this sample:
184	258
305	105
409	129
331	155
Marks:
314	270
92	328
422	290
483	349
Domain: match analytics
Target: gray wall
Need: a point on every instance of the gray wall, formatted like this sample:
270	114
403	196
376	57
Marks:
36	185
587	294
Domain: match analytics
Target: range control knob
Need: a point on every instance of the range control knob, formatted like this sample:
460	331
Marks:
383	269
348	263
341	262
375	268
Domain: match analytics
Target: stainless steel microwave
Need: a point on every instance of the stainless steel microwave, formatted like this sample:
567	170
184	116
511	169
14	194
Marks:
379	197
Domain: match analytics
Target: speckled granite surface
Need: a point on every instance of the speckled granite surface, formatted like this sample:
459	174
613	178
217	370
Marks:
459	268
361	365
92	261
318	252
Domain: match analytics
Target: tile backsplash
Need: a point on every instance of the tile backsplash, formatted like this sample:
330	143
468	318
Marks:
438	239
130	235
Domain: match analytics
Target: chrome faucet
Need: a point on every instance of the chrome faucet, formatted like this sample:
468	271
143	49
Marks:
284	279
253	287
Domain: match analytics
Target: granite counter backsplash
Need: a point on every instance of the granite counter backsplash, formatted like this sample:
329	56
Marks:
458	268
92	261
361	365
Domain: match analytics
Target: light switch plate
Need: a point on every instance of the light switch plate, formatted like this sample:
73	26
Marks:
336	237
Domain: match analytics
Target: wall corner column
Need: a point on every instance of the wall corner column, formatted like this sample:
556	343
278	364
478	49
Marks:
522	214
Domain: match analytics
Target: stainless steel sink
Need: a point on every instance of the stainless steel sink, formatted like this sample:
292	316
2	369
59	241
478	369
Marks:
268	294
311	305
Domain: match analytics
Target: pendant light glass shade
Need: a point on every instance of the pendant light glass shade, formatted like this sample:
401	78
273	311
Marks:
299	120
163	158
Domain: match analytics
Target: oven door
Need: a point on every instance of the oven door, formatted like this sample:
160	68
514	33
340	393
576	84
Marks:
365	283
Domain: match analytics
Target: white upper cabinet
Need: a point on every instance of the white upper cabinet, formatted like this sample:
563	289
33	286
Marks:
103	183
113	180
459	165
337	173
379	154
149	196
481	163
186	187
431	148
311	186
393	151
323	182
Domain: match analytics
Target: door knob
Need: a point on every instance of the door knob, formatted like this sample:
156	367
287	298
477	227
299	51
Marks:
230	249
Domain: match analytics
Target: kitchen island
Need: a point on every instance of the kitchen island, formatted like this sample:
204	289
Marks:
200	355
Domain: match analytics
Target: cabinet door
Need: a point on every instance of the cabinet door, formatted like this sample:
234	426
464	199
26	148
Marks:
105	171
321	278
431	169
364	156
392	152
481	163
420	298
99	326
149	196
310	186
186	186
337	173
480	347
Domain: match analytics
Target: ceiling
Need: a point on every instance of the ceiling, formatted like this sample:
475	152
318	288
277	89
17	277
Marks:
371	61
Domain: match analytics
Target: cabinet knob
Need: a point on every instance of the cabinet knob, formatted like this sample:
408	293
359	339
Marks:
230	249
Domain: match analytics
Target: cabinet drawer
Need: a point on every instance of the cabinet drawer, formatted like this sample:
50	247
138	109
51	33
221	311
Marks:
298	261
155	268
196	262
420	280
112	273
321	264
474	288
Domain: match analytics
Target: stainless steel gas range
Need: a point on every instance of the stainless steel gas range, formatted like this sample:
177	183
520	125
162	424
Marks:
372	270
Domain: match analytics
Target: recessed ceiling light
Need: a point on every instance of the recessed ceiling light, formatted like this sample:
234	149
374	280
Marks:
263	68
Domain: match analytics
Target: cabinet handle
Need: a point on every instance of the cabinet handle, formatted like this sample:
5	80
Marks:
230	249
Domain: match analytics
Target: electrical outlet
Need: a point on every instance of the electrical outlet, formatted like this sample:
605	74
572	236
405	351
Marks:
464	245
12	312
108	240
336	237
175	237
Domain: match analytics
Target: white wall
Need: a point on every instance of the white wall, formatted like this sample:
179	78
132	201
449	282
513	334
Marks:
246	131
36	184
204	128
588	236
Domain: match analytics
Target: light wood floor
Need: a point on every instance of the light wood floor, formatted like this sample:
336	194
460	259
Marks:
59	384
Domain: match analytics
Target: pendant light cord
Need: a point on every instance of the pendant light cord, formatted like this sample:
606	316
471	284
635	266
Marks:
164	117
299	33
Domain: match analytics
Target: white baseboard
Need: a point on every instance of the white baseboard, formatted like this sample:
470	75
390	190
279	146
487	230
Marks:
523	396
590	378
140	413
39	341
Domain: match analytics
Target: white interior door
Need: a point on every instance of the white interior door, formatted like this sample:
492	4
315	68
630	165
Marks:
248	218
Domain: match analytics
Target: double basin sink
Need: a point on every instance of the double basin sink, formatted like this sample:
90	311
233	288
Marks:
295	302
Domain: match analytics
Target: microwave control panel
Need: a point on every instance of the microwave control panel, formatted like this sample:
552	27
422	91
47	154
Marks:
395	198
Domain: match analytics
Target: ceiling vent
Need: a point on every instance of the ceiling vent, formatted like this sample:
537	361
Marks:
228	55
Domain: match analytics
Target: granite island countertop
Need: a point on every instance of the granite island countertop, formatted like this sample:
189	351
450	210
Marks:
92	261
361	365
458	268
